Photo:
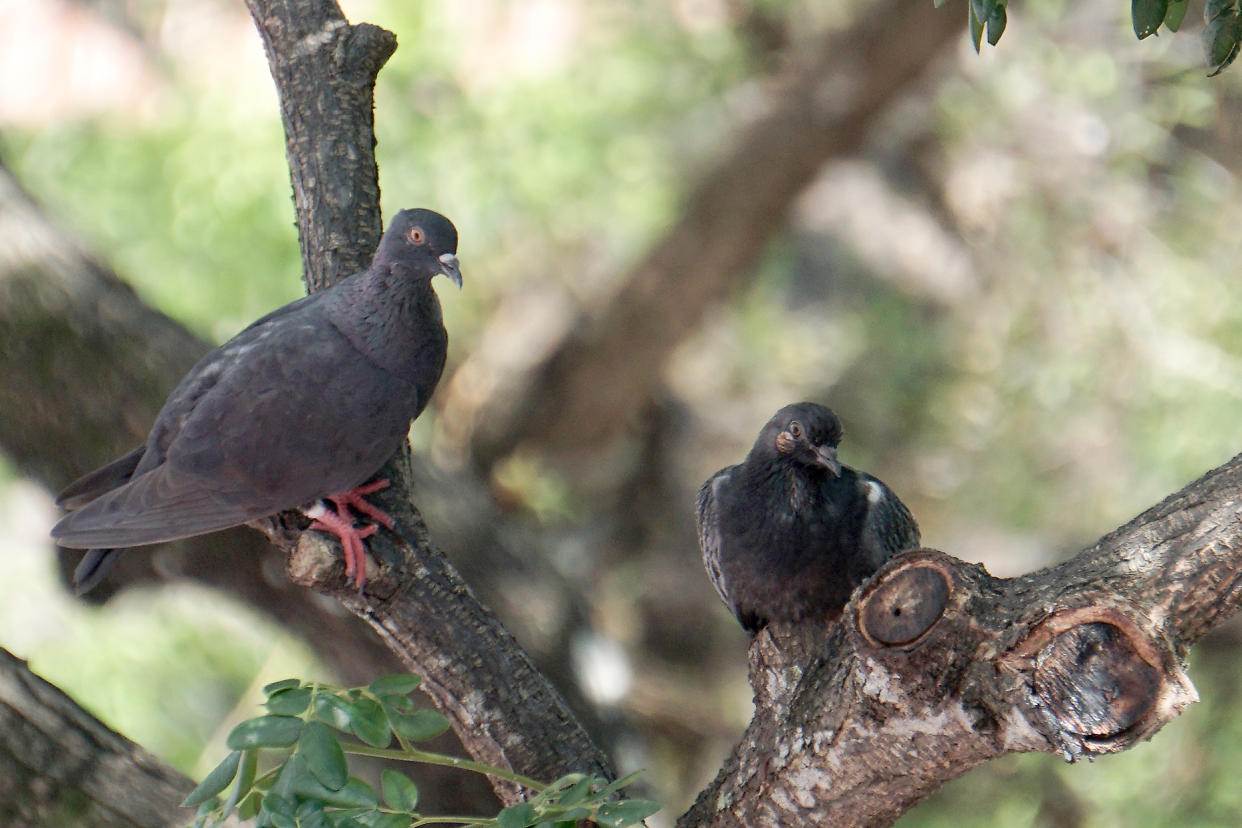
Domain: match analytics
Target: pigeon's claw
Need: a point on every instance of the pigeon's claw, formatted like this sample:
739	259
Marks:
350	537
341	524
355	499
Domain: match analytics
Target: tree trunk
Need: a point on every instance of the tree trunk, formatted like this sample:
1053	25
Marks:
61	766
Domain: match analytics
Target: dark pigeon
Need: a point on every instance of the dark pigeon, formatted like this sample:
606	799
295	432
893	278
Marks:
304	405
790	532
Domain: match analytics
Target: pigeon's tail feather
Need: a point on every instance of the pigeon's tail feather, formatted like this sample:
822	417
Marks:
88	487
95	564
152	508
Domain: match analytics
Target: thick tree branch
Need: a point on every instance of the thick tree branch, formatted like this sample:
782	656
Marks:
936	667
61	766
325	70
502	708
590	385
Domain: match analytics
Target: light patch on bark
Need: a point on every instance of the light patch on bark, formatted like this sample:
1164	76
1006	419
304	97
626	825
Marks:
1017	733
879	685
314	40
947	719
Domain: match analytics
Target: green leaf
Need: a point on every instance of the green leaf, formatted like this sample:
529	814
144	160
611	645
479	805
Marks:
282	821
1176	14
216	781
249	807
245	781
369	723
265	731
399	792
520	815
1215	8
310	814
613	787
276	804
323	755
400	685
355	794
1221	38
976	27
577	792
400	704
291	701
392	821
277	686
996	24
295	778
348	817
334	711
1147	15
420	726
573	815
626	812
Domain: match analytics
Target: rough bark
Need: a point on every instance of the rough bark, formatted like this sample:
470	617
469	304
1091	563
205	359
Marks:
61	766
591	384
503	709
936	667
325	70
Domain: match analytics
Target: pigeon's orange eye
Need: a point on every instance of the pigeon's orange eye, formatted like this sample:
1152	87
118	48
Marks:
416	235
795	429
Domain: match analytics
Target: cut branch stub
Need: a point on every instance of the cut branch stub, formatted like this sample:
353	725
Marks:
1099	680
900	608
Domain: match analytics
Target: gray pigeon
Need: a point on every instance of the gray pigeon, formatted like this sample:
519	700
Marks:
306	404
790	532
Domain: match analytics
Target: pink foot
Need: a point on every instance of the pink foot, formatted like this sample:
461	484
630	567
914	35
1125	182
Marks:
341	524
353	498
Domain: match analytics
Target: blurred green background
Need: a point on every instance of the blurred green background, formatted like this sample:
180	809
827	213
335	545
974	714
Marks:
1022	298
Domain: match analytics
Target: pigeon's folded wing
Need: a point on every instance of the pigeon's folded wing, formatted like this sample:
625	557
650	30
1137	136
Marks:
709	534
90	486
889	527
154	507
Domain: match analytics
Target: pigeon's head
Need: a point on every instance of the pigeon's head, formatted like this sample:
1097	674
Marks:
804	433
420	243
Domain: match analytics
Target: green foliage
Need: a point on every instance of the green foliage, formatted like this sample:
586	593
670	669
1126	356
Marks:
989	15
309	785
1222	36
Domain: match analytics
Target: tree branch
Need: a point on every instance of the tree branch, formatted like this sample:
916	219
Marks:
61	766
502	708
936	667
325	72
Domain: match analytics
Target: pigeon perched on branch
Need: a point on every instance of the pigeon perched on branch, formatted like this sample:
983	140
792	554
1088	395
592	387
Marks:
790	532
303	406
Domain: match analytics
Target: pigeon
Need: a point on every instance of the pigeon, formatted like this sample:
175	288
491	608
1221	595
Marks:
790	532
298	411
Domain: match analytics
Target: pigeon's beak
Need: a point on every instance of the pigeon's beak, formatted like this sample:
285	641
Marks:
826	456
451	268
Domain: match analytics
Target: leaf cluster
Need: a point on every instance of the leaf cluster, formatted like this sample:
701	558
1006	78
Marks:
306	781
1222	36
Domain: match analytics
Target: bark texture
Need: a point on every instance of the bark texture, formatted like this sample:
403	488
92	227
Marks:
936	667
325	70
61	766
